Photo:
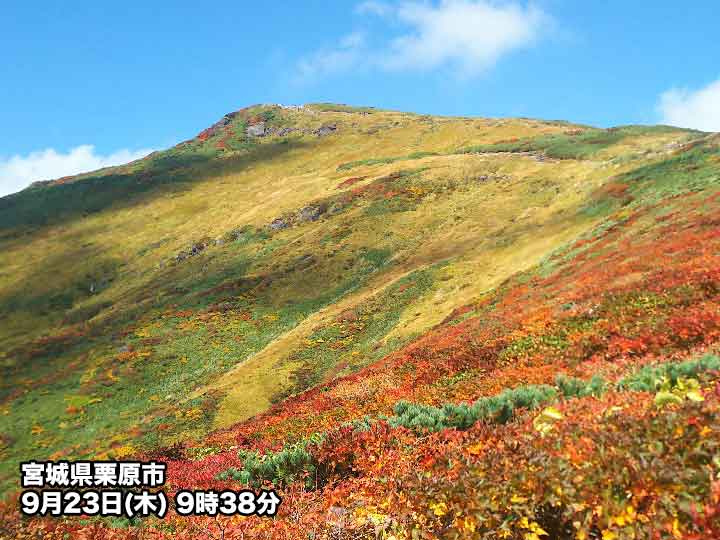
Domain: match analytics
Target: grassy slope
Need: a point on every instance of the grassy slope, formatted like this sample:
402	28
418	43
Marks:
424	214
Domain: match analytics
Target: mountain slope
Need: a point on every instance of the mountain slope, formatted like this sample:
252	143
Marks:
366	256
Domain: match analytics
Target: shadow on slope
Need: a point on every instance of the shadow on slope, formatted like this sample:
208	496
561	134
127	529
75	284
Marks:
44	205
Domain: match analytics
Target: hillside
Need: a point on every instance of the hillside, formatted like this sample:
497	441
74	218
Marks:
414	326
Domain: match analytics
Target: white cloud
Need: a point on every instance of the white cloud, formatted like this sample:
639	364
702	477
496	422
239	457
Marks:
469	36
18	172
322	63
374	8
699	109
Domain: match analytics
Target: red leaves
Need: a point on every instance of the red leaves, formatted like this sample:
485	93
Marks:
205	134
350	181
698	324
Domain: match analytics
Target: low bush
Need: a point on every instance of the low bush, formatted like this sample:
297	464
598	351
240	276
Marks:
651	378
499	409
289	464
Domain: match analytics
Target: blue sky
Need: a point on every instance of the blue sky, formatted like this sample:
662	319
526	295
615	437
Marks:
84	84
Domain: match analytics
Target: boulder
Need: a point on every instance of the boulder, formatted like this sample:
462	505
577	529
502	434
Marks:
311	212
256	130
197	248
325	129
282	132
279	223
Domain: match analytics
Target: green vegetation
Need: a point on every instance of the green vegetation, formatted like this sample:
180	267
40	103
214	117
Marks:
500	409
651	378
290	464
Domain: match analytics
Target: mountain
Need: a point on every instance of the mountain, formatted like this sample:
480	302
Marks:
413	326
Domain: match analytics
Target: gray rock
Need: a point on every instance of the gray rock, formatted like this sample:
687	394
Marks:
325	129
311	213
197	248
279	223
256	130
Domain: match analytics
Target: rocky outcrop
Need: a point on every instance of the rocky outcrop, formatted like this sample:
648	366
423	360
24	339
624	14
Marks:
194	250
256	130
283	132
312	212
279	223
325	129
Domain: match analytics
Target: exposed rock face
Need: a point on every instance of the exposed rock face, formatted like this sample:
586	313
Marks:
256	130
282	132
195	249
325	129
279	223
311	213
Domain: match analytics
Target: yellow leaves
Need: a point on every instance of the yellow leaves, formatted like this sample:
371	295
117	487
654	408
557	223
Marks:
309	342
469	525
124	451
545	421
416	191
190	414
368	514
475	449
662	399
517	499
188	325
607	534
439	508
37	430
675	395
612	410
676	532
533	528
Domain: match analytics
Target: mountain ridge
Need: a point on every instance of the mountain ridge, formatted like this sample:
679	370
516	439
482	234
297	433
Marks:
254	287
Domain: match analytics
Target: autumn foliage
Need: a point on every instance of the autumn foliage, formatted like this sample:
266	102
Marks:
542	410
